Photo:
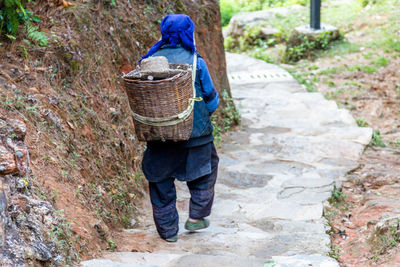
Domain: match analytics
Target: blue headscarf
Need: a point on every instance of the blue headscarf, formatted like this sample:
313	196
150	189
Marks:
175	29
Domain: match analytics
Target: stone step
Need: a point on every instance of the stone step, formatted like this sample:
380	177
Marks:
126	259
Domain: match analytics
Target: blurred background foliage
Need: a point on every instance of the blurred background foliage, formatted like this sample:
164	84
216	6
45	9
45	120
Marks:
232	7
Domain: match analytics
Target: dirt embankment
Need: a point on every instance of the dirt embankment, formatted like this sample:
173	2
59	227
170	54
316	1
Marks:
84	156
366	224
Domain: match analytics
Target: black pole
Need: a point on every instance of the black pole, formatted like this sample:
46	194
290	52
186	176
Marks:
315	14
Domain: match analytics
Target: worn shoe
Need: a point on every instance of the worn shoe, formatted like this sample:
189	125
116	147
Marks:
172	239
193	226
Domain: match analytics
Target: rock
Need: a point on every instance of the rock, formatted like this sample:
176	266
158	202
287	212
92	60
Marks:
21	157
304	261
3	200
102	229
385	226
53	99
26	223
34	90
348	223
211	260
307	40
298	35
239	22
13	128
13	249
154	65
52	119
7	161
154	68
243	180
13	152
18	127
133	222
41	251
268	32
28	230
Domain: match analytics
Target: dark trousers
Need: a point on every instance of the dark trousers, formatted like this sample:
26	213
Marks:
163	200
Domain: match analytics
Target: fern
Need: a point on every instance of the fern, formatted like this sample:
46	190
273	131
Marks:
36	36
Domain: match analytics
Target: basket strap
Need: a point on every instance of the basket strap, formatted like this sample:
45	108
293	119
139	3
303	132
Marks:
175	119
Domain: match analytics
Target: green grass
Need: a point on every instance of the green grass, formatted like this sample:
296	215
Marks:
333	94
380	62
364	68
376	139
332	70
263	55
230	115
335	251
353	83
384	33
396	143
391	44
305	79
288	23
341	15
337	197
331	84
340	48
361	122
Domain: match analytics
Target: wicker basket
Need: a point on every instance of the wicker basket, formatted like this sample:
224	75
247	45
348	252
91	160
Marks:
162	100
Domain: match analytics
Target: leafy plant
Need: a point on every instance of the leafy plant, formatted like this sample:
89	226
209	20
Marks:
392	44
304	79
269	263
301	46
380	62
361	122
230	116
111	245
385	239
365	3
376	139
13	14
366	68
337	197
109	3
262	54
10	15
335	251
36	36
249	39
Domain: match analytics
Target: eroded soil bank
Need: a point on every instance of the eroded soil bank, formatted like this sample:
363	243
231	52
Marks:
366	225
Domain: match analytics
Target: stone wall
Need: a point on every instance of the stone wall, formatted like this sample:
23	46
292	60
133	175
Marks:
26	222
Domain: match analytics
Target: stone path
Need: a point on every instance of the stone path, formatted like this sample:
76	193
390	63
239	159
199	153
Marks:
276	172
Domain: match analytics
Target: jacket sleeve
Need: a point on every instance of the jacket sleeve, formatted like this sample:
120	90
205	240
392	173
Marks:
210	95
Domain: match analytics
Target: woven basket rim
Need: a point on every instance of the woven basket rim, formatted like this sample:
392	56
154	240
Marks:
177	76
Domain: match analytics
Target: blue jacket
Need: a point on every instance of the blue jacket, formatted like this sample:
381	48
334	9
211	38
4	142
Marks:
202	127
